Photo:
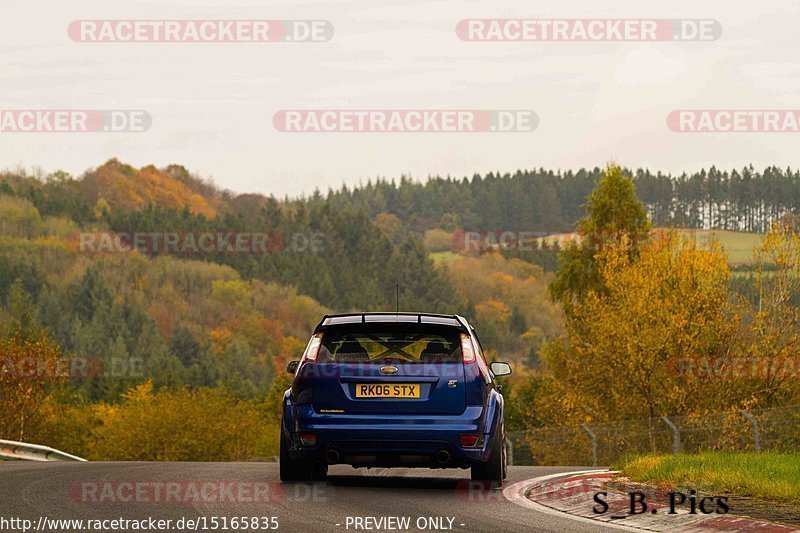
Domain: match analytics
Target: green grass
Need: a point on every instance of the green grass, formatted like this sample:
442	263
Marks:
738	245
772	476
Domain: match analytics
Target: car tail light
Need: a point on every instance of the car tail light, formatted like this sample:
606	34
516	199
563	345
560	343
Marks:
471	441
467	353
313	348
308	439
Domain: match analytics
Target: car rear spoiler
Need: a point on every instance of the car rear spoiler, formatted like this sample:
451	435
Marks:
392	318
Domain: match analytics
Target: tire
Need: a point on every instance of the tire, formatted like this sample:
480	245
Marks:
294	470
494	470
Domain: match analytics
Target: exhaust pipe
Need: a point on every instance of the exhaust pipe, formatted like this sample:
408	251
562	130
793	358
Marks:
442	457
332	456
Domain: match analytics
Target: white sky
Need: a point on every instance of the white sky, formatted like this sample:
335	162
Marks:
212	104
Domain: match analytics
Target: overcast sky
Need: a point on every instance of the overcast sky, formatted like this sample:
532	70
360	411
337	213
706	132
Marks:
212	103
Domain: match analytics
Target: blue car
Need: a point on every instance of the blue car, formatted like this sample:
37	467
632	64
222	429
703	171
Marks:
393	390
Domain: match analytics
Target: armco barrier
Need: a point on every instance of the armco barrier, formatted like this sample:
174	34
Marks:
23	451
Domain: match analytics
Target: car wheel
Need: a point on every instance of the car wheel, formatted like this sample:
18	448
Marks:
493	470
319	472
292	470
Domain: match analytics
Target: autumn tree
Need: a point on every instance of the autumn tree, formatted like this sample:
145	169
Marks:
626	346
30	369
774	345
613	214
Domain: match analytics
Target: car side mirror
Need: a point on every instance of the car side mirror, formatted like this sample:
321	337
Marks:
291	368
500	369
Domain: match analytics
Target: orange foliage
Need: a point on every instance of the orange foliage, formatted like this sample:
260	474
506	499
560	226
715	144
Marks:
28	370
164	317
123	186
220	338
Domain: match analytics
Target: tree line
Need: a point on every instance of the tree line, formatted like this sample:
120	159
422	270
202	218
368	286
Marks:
546	200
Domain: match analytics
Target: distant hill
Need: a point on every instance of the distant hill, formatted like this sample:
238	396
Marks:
123	186
535	200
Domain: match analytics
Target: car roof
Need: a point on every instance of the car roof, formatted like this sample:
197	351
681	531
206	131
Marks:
392	318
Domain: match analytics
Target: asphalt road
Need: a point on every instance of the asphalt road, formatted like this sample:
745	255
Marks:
136	491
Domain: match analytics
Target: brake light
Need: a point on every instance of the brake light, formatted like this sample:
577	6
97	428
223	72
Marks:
471	441
308	439
467	353
312	350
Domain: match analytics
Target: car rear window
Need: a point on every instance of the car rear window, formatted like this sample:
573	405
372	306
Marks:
382	345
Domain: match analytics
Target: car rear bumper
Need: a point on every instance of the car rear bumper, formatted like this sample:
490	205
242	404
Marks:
390	439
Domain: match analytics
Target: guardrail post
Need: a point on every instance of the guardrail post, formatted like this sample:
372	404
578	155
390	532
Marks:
509	452
594	442
676	436
750	418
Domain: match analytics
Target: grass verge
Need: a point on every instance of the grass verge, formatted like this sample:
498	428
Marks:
772	476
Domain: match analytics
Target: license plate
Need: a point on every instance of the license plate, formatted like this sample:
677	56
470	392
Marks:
392	390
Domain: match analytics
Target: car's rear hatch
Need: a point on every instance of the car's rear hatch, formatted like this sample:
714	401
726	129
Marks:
386	368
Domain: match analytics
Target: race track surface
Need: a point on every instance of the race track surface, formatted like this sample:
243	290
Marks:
439	500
